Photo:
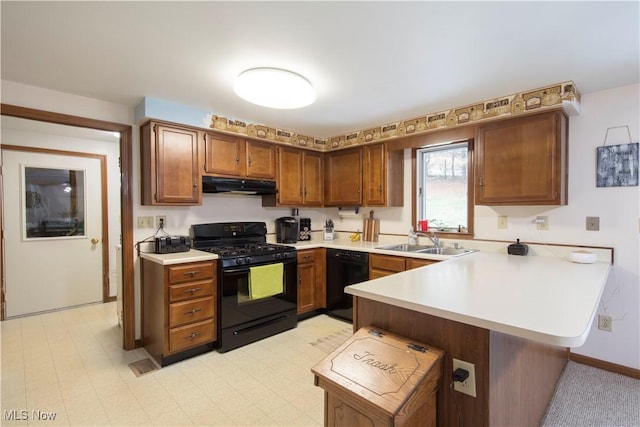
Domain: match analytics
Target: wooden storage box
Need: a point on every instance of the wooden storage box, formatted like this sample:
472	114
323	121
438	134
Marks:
380	379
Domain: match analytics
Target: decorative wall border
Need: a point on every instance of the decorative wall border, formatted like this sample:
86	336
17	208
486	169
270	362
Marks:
561	94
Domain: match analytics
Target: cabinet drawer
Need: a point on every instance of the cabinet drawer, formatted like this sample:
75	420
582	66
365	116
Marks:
188	336
190	290
418	262
189	311
383	262
186	272
306	256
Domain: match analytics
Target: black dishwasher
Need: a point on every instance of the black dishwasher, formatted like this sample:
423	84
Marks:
344	268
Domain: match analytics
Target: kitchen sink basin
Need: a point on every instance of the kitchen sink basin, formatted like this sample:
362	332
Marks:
426	249
445	251
406	248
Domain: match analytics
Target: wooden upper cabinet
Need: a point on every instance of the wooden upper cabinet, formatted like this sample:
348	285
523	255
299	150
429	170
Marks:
299	178
224	155
382	179
313	179
169	165
236	157
289	176
343	178
260	160
522	161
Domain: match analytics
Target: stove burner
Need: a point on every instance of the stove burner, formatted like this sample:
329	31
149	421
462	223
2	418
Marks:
247	249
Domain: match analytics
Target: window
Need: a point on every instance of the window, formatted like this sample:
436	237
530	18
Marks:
443	192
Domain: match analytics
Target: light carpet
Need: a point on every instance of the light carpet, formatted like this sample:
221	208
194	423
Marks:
587	396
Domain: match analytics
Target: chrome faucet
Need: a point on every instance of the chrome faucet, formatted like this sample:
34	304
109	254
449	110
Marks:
431	236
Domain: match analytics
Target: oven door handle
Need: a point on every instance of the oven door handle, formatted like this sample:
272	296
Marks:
245	269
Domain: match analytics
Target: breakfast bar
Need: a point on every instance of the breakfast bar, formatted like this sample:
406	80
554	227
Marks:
512	317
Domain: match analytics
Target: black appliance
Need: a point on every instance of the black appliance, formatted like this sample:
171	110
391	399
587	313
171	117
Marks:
344	268
241	246
305	229
172	244
287	229
214	184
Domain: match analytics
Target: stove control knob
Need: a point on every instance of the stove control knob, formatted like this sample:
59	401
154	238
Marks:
278	256
238	261
247	260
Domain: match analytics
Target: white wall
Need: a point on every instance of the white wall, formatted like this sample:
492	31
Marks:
618	208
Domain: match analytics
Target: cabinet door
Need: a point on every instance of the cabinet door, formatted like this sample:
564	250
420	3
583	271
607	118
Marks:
313	181
375	171
260	160
289	176
176	166
306	288
224	155
522	161
343	178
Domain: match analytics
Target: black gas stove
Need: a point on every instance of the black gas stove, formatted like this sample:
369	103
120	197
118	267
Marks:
242	249
239	243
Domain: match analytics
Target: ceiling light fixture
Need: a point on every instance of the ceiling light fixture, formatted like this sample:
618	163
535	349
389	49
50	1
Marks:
274	88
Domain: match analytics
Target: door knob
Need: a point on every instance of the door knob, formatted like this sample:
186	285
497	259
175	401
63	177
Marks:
95	241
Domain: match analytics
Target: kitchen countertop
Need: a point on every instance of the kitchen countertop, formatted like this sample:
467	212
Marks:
541	298
178	258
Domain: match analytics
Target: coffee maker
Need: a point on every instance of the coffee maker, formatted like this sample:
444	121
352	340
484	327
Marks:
287	229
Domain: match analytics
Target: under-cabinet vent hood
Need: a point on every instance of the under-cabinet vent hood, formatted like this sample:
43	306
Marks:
212	184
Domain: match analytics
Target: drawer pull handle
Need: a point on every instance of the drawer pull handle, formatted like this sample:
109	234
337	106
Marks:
192	290
194	311
195	334
191	273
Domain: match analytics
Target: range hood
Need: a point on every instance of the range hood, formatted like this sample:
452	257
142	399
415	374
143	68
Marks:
213	184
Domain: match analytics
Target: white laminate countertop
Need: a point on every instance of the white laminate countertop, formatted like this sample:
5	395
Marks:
541	298
178	258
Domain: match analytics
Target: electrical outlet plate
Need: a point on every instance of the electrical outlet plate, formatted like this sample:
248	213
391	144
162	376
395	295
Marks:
605	323
542	222
593	223
162	218
502	221
469	385
145	222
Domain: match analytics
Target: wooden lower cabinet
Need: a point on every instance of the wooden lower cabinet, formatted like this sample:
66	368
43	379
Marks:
385	265
179	309
311	280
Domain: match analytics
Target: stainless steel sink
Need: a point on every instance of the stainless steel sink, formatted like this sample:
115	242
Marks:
426	249
406	248
446	251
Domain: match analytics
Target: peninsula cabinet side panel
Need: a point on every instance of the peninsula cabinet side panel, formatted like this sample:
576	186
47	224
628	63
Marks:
460	341
523	377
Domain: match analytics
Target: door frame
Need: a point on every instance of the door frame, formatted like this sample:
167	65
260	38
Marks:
104	214
126	205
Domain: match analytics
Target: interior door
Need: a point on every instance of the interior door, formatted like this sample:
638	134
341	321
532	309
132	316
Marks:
53	231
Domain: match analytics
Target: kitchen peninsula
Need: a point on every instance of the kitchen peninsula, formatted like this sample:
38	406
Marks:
512	317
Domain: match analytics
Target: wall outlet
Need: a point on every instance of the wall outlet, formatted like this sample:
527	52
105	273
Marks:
593	223
469	385
605	323
145	222
542	222
502	222
161	219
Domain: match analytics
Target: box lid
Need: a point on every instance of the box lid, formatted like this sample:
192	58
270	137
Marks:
382	368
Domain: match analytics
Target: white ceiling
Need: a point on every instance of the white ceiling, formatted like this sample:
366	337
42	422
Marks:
371	62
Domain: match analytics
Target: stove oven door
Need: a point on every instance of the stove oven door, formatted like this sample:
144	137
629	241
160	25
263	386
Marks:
244	320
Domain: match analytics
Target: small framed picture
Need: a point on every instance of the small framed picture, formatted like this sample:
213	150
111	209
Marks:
617	165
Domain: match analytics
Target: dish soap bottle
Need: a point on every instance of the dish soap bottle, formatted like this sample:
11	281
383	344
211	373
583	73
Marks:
413	237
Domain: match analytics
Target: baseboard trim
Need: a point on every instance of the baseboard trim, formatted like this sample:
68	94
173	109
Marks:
605	366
